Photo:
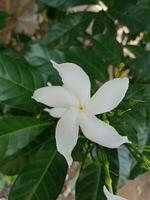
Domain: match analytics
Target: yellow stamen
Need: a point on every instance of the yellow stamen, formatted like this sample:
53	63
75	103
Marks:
81	109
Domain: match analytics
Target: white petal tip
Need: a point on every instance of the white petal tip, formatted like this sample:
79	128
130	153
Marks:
69	161
33	96
46	109
125	140
65	155
49	84
68	158
111	196
107	193
129	142
52	61
105	189
55	65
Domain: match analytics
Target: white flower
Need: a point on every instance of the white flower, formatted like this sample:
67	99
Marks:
73	105
111	196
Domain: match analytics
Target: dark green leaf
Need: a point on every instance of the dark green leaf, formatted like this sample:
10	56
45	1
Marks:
138	93
38	55
89	184
67	30
18	132
108	49
136	50
79	152
42	178
140	65
133	125
119	5
104	25
135	16
17	83
12	165
67	3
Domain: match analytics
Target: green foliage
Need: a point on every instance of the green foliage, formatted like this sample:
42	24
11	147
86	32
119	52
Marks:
13	164
18	81
66	3
18	135
134	14
108	49
48	170
89	39
89	183
66	31
141	64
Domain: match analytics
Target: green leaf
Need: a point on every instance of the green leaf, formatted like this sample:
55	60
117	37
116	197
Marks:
108	49
113	166
138	93
18	132
119	5
18	82
101	154
42	178
140	65
13	164
40	56
136	50
80	150
67	30
67	3
136	16
89	184
104	25
133	125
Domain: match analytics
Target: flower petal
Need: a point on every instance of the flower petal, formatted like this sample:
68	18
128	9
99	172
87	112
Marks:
55	96
67	134
108	96
56	112
111	196
100	132
75	80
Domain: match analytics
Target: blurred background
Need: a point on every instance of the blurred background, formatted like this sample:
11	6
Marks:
107	38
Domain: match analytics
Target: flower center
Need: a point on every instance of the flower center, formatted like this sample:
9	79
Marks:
81	109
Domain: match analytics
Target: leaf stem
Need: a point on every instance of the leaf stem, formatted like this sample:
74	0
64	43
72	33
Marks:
108	179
